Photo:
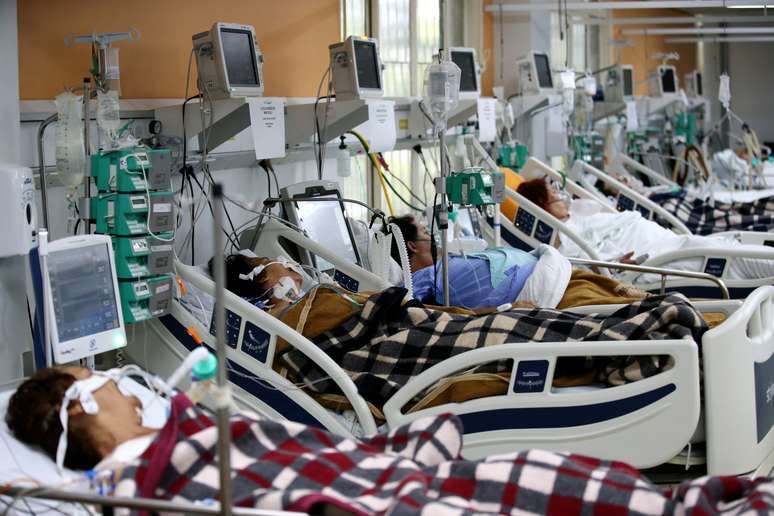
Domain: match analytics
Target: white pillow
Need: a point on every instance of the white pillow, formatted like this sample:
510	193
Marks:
546	285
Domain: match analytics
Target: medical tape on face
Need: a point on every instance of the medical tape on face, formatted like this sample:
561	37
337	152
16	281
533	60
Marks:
81	391
283	287
281	260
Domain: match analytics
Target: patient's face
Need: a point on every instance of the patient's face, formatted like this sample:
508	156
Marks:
557	206
272	273
421	248
114	407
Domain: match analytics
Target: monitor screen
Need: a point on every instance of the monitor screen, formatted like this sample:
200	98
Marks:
85	302
699	87
668	84
367	64
467	66
239	57
467	224
628	82
543	67
324	223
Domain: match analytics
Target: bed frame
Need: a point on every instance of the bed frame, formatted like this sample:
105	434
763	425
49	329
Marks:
660	414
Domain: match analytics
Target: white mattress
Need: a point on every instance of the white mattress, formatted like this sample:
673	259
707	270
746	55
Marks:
22	461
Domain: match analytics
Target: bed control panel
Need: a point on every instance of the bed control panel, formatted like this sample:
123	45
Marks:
715	266
625	203
646	213
764	397
525	221
233	326
345	281
544	232
255	342
531	376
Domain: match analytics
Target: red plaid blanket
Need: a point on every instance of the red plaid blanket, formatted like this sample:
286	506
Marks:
414	469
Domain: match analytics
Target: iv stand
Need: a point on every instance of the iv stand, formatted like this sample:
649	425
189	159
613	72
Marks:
443	214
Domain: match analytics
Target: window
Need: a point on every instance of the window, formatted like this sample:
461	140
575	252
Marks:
409	33
354	22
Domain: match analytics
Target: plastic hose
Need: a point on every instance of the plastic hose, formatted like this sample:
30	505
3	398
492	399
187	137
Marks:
405	265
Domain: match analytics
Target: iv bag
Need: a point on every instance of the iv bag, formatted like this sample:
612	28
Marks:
70	153
108	113
442	90
724	91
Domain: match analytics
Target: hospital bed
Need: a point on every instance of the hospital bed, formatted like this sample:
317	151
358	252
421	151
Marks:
533	226
628	199
624	165
661	413
67	491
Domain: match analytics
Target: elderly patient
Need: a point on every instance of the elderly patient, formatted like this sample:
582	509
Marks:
489	279
281	465
622	235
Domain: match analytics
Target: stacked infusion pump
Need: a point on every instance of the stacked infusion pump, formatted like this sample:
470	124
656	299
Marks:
134	207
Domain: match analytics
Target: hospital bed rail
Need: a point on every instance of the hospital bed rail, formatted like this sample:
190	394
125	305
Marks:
655	270
738	359
597	422
253	336
621	161
122	502
629	199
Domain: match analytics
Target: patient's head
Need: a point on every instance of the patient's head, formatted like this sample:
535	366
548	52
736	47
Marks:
260	287
541	193
33	417
418	242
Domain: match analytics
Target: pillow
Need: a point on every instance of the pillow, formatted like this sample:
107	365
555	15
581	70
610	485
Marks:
546	285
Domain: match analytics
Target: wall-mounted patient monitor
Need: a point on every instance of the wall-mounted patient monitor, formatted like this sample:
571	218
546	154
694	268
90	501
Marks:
534	73
627	81
619	86
81	297
356	69
693	84
663	81
470	73
229	61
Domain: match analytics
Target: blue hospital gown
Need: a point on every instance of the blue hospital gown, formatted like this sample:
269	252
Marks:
470	283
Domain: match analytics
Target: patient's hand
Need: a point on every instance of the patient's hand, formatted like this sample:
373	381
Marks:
628	258
524	304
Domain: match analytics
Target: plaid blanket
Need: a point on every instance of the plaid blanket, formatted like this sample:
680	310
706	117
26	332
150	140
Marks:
414	469
387	343
706	217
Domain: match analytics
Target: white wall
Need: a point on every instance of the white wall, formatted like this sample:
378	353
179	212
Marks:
15	337
752	81
9	83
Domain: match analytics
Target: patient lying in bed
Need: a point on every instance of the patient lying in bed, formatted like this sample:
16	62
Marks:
381	341
628	234
280	465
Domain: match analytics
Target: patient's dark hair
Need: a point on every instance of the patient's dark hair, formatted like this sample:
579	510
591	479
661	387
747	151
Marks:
237	264
408	226
33	417
536	190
